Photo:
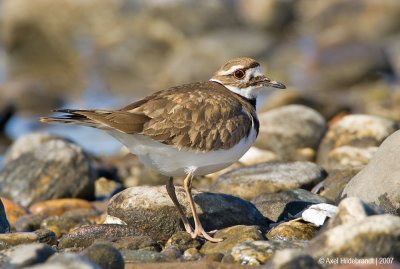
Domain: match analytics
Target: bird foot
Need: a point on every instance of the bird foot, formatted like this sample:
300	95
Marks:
203	234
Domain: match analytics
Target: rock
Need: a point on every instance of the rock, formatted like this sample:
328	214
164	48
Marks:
136	243
58	207
191	254
4	225
259	252
18	238
287	129
29	254
269	15
292	230
232	236
353	140
285	204
351	210
29	223
13	210
292	258
56	169
372	265
66	260
335	183
86	235
28	143
143	256
172	253
375	184
375	236
61	224
104	255
105	188
249	182
151	211
183	241
255	156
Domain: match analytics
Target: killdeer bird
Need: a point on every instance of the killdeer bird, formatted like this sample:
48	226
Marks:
188	130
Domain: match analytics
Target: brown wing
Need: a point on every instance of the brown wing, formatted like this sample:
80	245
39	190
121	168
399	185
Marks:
204	118
200	116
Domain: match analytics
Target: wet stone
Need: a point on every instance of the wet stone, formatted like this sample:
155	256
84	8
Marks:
150	211
259	252
285	204
56	169
292	230
104	255
28	254
232	236
376	183
249	182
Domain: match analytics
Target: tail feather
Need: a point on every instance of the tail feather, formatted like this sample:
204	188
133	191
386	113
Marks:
71	116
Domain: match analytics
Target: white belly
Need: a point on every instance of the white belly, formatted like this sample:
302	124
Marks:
170	161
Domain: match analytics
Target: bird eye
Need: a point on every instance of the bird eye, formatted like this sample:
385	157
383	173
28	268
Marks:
239	74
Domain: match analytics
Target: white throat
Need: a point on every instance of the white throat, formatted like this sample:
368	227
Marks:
250	92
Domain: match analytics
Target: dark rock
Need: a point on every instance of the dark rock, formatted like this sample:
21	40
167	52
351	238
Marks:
151	211
292	230
249	182
29	254
376	183
86	235
232	236
285	204
56	169
288	130
104	255
352	141
374	236
4	225
259	252
335	183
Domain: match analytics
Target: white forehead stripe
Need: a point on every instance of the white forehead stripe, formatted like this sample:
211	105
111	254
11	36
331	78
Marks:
230	70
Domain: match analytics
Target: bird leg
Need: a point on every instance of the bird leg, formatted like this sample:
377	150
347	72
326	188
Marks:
171	192
198	228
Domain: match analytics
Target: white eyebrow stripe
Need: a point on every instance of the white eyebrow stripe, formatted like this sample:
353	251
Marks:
230	70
